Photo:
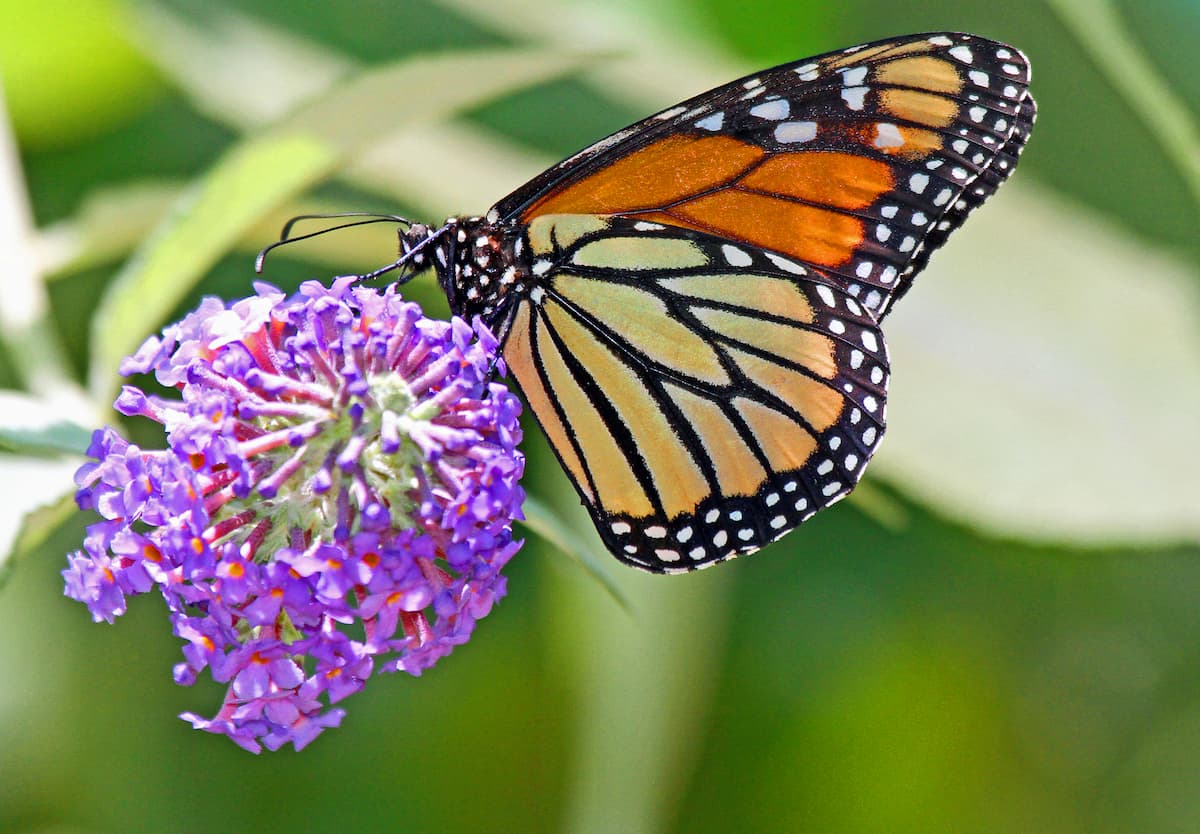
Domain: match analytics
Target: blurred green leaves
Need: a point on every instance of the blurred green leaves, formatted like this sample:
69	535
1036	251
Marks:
858	676
1097	25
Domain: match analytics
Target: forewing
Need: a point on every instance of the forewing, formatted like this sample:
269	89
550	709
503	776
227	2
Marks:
856	163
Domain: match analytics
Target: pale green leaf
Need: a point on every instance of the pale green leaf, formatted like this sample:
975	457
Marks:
35	527
32	503
110	223
39	452
59	436
666	54
1046	379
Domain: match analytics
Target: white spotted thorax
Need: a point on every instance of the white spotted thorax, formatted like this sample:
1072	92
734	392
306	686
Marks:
481	266
692	306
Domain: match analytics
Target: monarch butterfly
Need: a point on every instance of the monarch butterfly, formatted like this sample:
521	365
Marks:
692	305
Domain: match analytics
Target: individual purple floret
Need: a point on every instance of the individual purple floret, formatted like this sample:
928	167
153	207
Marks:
338	490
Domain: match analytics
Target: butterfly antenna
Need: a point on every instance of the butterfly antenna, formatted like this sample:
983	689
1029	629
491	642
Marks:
285	235
377	217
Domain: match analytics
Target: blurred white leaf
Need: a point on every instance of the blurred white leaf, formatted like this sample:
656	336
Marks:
26	332
29	425
1047	379
444	169
30	485
212	55
449	168
662	55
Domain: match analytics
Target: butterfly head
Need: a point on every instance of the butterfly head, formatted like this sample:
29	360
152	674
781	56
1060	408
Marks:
481	266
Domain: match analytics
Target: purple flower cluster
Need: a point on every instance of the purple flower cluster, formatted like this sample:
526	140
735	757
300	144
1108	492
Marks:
338	491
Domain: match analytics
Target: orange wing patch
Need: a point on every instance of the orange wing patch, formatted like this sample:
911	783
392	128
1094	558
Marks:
924	72
922	108
723	186
840	180
670	170
818	236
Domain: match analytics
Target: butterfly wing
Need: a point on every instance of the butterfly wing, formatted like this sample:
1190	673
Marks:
704	397
701	343
857	163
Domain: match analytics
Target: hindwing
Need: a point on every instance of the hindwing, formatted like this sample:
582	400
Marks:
704	396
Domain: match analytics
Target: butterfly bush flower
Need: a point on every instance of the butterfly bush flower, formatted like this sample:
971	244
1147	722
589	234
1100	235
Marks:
336	496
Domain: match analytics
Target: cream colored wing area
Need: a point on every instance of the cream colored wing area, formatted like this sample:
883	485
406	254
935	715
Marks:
642	320
738	469
750	290
781	438
797	345
648	434
819	404
518	355
616	484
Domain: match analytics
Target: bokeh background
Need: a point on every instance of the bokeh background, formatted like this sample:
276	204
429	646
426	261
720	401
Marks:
999	631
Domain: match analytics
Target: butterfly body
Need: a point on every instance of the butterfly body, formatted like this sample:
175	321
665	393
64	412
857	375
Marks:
692	306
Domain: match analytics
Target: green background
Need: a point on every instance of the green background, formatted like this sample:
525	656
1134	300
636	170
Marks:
906	662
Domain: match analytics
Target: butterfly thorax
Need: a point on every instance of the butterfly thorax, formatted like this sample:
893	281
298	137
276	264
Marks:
482	267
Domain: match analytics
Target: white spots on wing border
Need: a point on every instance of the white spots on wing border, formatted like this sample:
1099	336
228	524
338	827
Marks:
773	110
855	97
887	135
788	133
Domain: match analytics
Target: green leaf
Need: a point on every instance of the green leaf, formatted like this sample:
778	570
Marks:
1098	26
554	529
664	56
109	224
260	173
60	436
30	513
34	529
34	437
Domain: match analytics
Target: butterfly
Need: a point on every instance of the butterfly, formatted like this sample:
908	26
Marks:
691	306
